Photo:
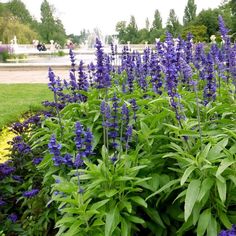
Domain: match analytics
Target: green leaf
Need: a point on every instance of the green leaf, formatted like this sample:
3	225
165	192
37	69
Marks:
225	163
186	174
155	216
65	220
74	229
215	151
191	197
125	229
221	187
99	204
203	222
203	155
140	201
98	222
135	219
163	188
112	220
145	130
205	187
111	192
225	220
212	227
125	204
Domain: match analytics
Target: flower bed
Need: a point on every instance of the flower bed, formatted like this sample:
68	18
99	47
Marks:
145	147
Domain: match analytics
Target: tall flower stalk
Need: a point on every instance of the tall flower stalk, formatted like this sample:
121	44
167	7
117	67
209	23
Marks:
55	87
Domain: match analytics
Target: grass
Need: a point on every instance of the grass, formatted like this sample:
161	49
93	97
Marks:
17	99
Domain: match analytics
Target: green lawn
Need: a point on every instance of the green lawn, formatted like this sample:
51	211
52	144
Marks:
17	99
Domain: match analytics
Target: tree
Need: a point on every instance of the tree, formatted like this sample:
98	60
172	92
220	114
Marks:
147	24
121	29
47	21
143	36
173	26
189	12
132	31
157	22
233	11
18	9
199	33
156	30
10	26
209	18
51	28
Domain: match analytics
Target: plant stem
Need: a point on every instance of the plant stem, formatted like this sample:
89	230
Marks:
198	117
58	114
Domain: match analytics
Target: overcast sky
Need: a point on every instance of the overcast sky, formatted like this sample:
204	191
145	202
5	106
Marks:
104	14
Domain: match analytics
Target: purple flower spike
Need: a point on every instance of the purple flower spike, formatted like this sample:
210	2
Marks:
37	161
223	30
31	193
2	203
54	149
13	217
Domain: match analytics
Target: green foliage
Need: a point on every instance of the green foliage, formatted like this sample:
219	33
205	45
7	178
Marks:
209	18
173	26
16	20
18	9
50	27
190	12
199	33
11	26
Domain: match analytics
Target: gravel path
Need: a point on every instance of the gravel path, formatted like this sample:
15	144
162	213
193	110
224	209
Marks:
9	76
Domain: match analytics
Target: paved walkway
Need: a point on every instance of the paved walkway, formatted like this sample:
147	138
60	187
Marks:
9	76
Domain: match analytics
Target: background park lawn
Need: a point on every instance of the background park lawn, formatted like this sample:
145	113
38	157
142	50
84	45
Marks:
17	99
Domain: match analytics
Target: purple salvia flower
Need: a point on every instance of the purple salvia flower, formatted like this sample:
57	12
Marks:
82	81
129	132
180	49
2	203
189	48
134	107
229	232
17	178
159	49
199	56
186	71
21	148
18	128
78	160
79	133
37	160
13	217
210	88
31	193
124	57
112	52
232	64
102	77
54	149
125	114
130	72
223	30
155	72
171	69
91	72
72	59
113	133
88	138
54	84
67	160
114	158
5	170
